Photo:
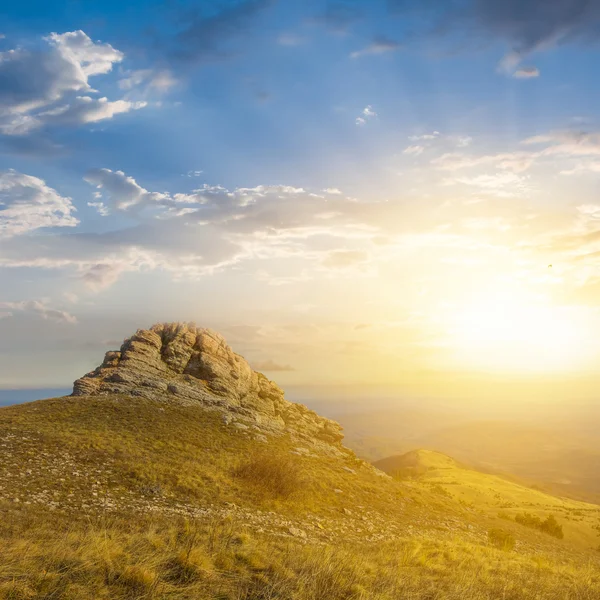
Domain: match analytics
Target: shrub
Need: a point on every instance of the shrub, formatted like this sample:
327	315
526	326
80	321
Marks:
501	539
552	527
274	475
549	525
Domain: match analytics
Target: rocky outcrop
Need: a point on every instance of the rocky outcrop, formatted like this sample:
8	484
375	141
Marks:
179	362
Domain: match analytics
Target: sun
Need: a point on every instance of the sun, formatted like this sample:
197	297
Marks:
518	332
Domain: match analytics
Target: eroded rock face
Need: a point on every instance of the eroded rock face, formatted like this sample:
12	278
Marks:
187	364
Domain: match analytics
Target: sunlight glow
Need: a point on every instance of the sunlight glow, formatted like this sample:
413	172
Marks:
515	332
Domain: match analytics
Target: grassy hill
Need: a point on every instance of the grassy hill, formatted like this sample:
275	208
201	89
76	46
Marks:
493	495
128	497
560	452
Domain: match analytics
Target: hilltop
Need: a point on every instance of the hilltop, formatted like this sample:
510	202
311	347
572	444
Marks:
176	471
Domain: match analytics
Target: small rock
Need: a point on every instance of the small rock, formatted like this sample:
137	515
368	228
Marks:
349	470
297	532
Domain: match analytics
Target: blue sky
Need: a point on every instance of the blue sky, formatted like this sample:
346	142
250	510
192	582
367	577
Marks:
330	184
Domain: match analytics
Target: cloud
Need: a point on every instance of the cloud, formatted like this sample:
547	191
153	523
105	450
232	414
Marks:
366	114
212	229
27	204
379	45
426	141
84	109
414	150
198	233
525	27
526	73
342	259
35	308
207	31
50	84
424	137
270	365
122	192
102	275
511	161
503	185
575	151
149	81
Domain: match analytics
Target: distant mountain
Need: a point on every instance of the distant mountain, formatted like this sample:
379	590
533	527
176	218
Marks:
18	396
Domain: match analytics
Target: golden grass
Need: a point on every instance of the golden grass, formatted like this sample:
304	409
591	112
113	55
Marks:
155	558
81	479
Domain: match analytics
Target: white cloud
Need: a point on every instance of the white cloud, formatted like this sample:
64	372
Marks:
435	139
212	229
161	80
35	308
206	230
50	85
511	161
581	148
504	184
369	112
122	191
88	57
102	275
100	207
84	109
27	203
378	46
462	141
414	150
426	136
366	114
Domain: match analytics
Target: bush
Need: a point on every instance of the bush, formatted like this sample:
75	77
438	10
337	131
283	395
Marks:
552	527
549	525
275	476
504	540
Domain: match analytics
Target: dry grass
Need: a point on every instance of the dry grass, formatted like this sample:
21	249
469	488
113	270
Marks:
158	559
64	461
273	475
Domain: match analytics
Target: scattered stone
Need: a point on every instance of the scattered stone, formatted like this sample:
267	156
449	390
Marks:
300	533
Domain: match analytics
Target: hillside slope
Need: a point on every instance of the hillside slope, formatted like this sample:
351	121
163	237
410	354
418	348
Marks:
175	471
492	495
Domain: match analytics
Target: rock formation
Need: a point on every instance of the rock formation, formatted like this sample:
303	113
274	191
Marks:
179	362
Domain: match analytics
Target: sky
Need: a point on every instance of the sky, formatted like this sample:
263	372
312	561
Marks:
383	194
